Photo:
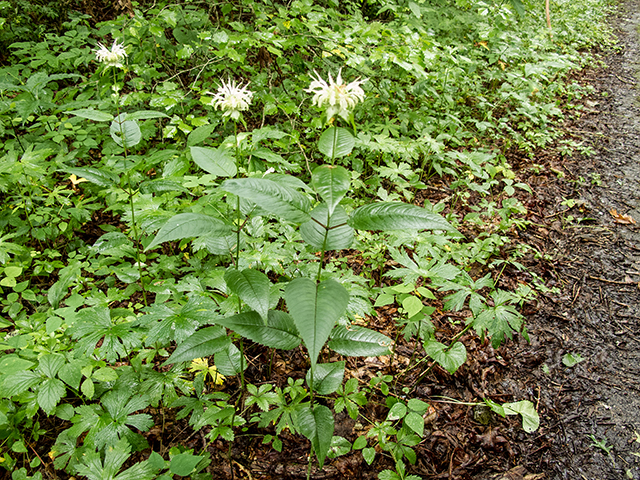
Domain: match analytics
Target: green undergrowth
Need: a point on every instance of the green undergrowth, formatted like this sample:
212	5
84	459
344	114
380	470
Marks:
152	240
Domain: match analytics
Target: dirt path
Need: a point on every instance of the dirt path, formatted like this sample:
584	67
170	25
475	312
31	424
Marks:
593	407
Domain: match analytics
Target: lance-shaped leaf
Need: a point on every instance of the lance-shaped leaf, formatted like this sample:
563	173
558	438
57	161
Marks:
203	343
450	359
324	233
230	361
89	114
187	225
94	175
280	331
252	286
332	184
326	377
273	197
315	309
397	216
354	341
146	115
216	161
336	142
317	425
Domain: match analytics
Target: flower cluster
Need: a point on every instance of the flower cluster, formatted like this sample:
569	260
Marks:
336	97
232	99
113	57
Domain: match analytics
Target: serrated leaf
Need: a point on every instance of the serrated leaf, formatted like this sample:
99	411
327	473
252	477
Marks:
272	197
203	343
94	175
450	359
326	378
315	309
19	382
162	185
317	425
216	161
89	114
327	234
187	225
50	393
336	142
50	364
252	286
332	183
280	331
397	216
355	341
230	361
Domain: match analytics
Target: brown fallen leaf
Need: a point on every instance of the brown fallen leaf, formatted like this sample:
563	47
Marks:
621	217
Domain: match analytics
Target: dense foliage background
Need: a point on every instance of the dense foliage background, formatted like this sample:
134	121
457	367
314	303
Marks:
164	264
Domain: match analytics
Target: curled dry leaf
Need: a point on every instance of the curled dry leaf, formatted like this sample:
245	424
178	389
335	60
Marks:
621	218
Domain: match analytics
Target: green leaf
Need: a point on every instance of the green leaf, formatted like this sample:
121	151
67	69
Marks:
187	225
397	216
145	115
126	133
336	142
230	361
280	331
397	411
94	175
315	309
252	286
518	6
50	364
162	185
412	305
326	378
450	360
326	234
200	134
273	197
88	388
184	463
105	374
332	184
19	382
203	343
369	454
216	161
530	418
415	422
95	115
354	341
572	359
317	425
50	393
12	363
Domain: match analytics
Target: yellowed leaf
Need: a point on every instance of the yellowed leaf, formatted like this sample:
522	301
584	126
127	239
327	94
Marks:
621	217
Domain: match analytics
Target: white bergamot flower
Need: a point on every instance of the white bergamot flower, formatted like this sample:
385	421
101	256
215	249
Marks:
232	98
113	57
336	97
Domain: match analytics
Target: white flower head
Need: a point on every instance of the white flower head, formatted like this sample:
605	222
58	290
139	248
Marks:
113	57
336	97
232	98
